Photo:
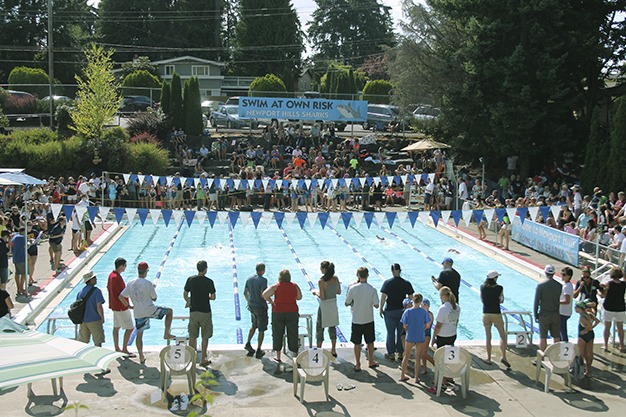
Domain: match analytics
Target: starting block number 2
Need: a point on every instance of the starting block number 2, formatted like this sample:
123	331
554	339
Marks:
521	340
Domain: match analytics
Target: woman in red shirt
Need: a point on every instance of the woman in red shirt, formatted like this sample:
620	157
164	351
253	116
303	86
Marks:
284	312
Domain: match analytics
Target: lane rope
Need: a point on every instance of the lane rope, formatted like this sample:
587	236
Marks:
235	282
464	282
306	275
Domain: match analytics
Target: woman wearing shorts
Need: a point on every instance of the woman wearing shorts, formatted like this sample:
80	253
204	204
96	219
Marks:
492	295
614	307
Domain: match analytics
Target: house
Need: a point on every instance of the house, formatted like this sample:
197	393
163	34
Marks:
209	73
305	81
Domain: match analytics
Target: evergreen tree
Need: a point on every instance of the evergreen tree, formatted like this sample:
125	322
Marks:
617	147
176	102
597	153
166	99
350	31
192	109
268	40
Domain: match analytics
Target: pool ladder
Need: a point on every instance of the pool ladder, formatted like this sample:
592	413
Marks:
52	326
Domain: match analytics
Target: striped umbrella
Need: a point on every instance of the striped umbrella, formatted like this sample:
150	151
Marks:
28	356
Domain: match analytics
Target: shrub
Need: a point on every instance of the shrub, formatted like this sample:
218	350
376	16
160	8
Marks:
192	108
377	91
145	138
63	119
39	157
147	158
112	148
267	86
152	121
165	98
140	82
176	102
4	121
20	76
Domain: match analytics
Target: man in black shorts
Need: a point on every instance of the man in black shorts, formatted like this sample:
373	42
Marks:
198	293
255	285
362	298
448	277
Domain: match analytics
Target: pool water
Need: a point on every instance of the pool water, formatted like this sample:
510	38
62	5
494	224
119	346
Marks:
300	251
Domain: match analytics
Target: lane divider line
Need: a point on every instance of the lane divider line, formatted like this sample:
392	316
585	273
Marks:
306	275
235	282
131	340
356	252
464	282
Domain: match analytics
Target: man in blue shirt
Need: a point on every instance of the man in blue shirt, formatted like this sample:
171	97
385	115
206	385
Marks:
18	249
255	285
92	325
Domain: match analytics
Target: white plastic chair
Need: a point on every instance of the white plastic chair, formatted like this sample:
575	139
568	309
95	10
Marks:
557	359
185	365
311	365
452	367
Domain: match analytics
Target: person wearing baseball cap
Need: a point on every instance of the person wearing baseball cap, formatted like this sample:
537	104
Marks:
546	308
143	295
448	277
492	295
92	326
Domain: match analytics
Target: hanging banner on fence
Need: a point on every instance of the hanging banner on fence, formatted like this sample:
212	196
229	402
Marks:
544	239
303	109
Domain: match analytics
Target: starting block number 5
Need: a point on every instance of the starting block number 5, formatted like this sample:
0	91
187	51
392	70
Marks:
177	352
521	340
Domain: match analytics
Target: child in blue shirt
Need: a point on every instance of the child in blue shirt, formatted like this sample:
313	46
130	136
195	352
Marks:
415	320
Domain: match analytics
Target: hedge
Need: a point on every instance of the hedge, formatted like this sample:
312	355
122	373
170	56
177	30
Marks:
147	158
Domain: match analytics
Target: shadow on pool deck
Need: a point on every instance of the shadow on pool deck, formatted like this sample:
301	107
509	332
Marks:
252	387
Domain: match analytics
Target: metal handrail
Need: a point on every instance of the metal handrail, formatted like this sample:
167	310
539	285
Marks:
52	326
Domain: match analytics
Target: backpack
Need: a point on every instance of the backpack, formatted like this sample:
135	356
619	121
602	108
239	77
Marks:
76	312
578	368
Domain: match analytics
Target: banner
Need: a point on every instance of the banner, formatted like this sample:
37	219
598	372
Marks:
303	109
544	239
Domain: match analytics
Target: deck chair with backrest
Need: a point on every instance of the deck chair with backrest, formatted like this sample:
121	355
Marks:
557	359
452	366
171	366
311	365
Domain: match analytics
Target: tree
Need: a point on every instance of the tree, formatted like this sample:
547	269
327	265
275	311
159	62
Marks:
163	28
507	82
139	63
176	102
141	82
267	86
377	91
20	77
341	82
192	109
617	147
166	98
268	42
597	153
97	100
350	31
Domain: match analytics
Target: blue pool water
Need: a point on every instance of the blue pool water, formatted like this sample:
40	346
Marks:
300	251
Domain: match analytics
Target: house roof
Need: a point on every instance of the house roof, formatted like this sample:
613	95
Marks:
187	58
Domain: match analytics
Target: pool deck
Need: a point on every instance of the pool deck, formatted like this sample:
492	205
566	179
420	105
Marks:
252	387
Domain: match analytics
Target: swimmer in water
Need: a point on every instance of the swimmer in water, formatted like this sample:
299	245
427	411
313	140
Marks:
454	251
380	238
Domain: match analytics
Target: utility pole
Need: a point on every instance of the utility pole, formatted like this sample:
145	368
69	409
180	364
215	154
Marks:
50	65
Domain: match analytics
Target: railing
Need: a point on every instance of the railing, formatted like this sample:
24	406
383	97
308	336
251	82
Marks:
237	82
523	320
52	325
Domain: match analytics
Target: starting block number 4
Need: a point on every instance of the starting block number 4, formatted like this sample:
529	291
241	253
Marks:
315	358
521	340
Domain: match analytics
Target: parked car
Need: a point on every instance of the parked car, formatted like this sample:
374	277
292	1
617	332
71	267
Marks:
426	112
18	103
209	106
133	104
58	99
228	116
379	116
232	101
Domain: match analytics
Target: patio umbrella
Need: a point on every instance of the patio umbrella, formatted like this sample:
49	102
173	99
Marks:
21	178
4	181
425	144
28	356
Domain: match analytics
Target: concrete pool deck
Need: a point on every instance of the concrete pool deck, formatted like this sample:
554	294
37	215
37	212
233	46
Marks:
251	387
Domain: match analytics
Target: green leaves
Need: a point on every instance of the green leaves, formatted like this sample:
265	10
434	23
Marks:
97	99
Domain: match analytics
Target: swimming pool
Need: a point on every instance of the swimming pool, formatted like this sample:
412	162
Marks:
233	252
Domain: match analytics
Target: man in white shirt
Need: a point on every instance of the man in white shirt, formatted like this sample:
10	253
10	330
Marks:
363	299
142	294
463	191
